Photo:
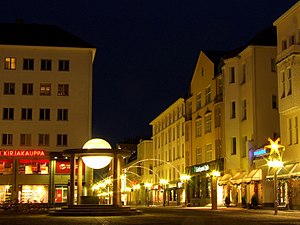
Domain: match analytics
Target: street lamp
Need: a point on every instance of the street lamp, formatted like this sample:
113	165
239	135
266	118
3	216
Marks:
214	194
164	183
275	162
184	178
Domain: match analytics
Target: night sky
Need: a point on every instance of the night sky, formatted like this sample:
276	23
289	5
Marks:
146	49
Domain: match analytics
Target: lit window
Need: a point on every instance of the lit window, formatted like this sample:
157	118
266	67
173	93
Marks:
28	64
45	89
10	63
63	65
63	90
46	64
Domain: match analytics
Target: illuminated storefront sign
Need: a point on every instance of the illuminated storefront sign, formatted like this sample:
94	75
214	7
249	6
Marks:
259	152
22	153
198	169
64	167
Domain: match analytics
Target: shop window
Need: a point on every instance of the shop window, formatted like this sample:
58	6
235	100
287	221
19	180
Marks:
28	166
61	193
5	193
6	166
34	194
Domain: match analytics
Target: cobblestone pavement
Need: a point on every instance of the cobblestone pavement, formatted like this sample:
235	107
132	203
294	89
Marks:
164	216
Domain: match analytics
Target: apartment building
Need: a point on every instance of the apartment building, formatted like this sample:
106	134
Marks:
204	127
168	135
251	117
288	67
46	107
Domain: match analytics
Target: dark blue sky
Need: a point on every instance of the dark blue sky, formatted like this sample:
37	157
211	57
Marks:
146	49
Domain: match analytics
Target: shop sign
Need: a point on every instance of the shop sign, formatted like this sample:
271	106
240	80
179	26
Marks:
22	153
64	167
199	169
259	152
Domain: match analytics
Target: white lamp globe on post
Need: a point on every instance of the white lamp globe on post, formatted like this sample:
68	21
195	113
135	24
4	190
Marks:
96	161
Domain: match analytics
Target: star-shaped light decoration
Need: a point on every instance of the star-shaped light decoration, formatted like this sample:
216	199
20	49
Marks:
274	146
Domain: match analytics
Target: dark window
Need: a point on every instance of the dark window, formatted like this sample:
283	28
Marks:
28	64
9	88
44	114
27	89
63	65
46	64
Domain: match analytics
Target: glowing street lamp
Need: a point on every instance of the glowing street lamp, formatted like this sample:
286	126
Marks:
96	161
184	178
275	162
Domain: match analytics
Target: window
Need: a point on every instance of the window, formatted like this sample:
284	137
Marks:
44	114
208	123
63	65
296	131
27	89
8	113
291	40
218	117
26	114
243	75
198	128
290	131
62	114
232	75
44	139
45	89
283	84
62	140
28	64
244	109
35	166
233	146
207	95
208	152
244	147
198	100
7	139
9	88
284	45
198	155
46	64
289	82
274	102
273	65
10	63
63	90
25	139
232	110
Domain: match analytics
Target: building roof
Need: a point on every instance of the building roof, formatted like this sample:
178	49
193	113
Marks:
39	35
267	37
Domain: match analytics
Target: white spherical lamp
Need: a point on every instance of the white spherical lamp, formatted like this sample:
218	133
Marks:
96	161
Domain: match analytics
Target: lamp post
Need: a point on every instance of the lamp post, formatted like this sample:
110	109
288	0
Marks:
214	192
275	162
184	178
164	183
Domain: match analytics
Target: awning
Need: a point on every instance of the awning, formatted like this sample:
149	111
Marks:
224	180
238	178
285	172
254	175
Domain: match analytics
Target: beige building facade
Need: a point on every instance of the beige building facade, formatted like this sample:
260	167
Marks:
168	134
288	67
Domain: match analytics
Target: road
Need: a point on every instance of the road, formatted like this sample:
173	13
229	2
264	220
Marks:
165	216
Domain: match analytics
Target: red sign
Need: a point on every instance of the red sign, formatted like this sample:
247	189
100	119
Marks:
22	153
64	167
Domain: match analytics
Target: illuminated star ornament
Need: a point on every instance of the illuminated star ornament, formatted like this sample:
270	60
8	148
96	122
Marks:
274	146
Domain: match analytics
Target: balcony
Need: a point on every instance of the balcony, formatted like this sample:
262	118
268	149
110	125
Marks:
293	49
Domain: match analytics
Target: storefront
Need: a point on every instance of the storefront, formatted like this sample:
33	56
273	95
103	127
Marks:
199	187
33	176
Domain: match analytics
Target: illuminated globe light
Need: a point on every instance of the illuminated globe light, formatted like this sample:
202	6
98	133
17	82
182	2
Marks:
96	162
